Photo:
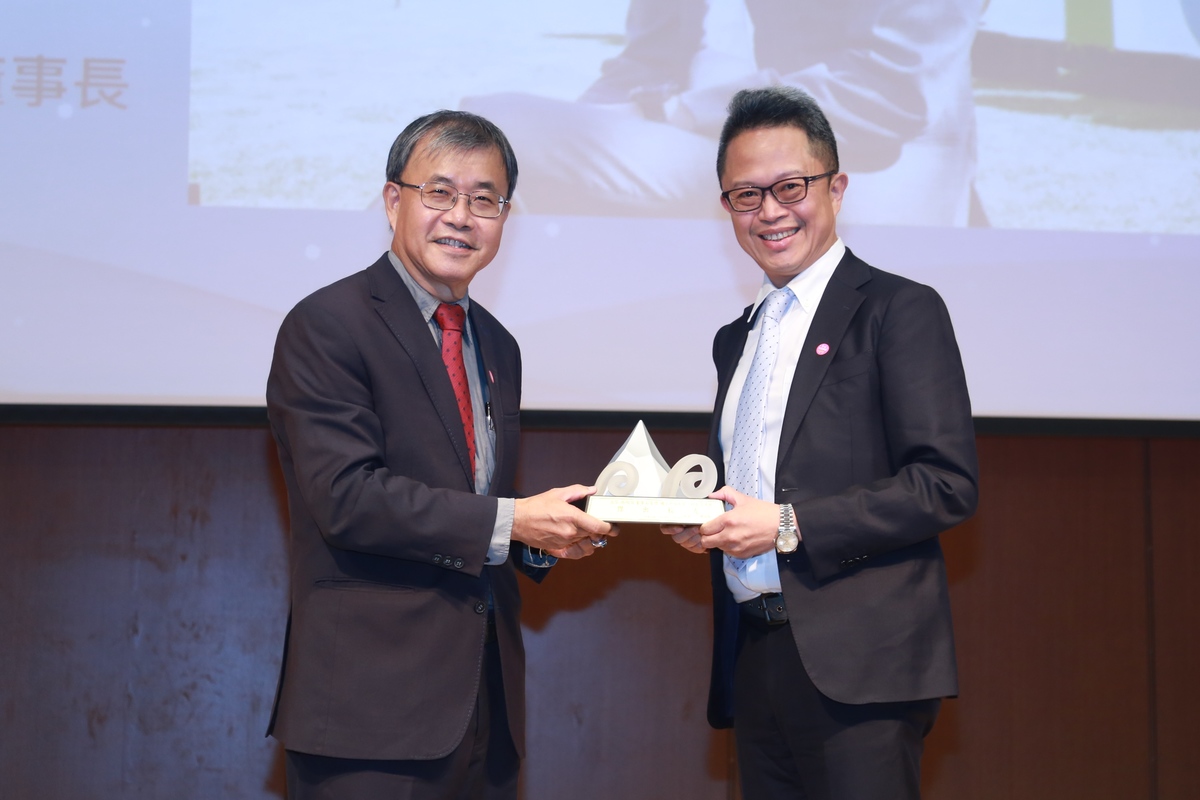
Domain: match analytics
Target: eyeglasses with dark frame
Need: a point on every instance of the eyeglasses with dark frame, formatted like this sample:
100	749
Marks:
787	191
443	197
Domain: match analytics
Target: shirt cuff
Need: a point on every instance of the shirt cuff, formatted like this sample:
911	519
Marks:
502	531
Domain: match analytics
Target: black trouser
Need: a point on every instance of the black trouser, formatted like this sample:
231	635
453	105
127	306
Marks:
793	742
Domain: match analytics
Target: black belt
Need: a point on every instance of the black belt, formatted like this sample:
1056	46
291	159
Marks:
767	608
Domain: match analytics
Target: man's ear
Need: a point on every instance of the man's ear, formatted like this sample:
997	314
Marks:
391	202
837	190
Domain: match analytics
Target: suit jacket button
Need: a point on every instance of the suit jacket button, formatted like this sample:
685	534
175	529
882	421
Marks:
458	563
437	559
480	607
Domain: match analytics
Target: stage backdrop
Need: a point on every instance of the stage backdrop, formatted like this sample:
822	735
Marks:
177	175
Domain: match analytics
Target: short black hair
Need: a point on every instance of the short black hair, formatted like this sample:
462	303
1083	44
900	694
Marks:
459	131
778	107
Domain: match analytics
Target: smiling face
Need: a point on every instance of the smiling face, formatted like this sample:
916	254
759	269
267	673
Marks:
444	250
783	240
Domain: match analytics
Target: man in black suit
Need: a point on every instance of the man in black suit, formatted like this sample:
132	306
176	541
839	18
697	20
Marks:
394	401
843	425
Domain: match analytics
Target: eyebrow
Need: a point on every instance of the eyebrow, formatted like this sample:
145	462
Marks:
750	185
482	185
783	176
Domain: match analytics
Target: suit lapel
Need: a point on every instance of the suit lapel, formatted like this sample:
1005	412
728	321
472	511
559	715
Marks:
837	307
396	306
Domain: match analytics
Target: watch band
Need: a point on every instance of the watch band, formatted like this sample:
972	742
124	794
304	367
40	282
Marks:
788	537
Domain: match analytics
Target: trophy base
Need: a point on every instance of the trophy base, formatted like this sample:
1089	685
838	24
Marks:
654	510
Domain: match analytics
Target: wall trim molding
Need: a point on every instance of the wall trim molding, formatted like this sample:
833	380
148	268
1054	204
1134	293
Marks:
545	420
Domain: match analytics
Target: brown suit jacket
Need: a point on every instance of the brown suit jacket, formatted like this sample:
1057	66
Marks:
389	590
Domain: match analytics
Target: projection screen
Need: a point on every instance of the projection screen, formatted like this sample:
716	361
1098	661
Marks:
176	176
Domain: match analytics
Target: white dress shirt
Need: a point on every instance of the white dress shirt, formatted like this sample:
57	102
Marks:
750	577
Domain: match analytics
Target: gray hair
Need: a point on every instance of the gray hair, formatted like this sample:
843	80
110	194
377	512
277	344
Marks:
457	131
778	107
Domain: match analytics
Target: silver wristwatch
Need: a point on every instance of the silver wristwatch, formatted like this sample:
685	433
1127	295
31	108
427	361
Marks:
788	539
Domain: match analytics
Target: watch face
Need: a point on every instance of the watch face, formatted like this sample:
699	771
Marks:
787	542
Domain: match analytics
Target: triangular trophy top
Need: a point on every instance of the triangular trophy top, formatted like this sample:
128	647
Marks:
637	486
652	469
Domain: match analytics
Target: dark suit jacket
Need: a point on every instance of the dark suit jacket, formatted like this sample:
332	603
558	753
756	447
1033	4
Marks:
388	540
877	454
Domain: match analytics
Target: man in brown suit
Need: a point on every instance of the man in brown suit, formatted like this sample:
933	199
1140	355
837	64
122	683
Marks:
395	403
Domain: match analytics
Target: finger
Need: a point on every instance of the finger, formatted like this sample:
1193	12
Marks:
727	494
580	549
570	494
714	525
591	526
715	541
686	535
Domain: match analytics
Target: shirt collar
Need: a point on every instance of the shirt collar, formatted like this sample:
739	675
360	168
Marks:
426	302
810	284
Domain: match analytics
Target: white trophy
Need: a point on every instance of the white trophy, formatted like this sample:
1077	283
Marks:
638	486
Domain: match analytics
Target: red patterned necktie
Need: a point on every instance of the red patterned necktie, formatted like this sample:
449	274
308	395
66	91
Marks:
450	319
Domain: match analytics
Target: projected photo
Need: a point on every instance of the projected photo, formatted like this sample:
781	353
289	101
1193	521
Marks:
1011	113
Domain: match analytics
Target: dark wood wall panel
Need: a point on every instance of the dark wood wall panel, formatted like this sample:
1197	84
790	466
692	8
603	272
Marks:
144	595
1049	597
619	650
1175	530
143	578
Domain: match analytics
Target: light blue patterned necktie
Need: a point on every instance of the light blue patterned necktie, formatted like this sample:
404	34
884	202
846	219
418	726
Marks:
752	405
